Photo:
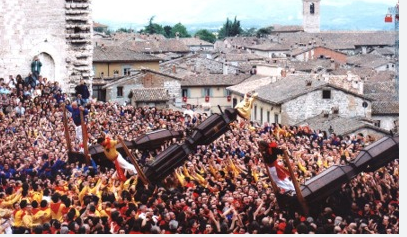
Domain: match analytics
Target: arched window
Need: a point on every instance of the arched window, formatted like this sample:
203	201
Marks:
312	8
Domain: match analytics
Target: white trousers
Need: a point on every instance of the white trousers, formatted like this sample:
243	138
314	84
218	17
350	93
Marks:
78	131
285	184
126	165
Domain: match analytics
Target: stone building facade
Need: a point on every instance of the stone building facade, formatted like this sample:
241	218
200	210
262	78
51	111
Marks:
122	90
57	31
311	15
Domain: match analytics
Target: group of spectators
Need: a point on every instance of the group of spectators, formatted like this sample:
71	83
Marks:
221	188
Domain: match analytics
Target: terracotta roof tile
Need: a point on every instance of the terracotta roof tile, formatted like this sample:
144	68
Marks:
340	125
119	54
213	80
385	107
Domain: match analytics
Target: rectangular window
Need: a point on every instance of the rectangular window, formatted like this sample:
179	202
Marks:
207	91
255	112
120	91
126	71
312	8
261	116
276	118
184	92
268	116
377	123
326	94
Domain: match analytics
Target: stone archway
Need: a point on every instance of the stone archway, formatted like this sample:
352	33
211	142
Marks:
48	66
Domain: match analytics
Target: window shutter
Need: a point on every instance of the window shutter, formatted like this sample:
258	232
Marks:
203	92
188	93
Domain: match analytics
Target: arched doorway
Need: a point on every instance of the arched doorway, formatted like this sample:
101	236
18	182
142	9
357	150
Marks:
48	66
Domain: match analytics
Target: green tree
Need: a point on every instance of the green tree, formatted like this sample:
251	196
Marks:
230	29
250	32
168	32
262	32
205	35
122	29
153	28
181	29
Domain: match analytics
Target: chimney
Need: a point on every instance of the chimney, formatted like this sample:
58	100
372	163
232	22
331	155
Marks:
333	67
283	73
174	69
225	69
335	110
308	82
177	35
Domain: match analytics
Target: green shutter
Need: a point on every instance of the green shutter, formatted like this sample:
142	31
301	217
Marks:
203	92
188	93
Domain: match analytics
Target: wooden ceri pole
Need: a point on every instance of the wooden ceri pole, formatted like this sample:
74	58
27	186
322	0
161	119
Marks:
67	137
141	175
273	184
300	198
84	138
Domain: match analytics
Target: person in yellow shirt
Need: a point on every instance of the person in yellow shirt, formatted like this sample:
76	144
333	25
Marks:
57	207
44	213
109	148
18	217
28	218
7	202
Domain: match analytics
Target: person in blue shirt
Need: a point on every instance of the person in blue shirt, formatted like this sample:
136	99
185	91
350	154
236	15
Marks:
75	111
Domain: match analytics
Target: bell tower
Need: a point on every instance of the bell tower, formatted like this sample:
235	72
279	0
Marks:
311	15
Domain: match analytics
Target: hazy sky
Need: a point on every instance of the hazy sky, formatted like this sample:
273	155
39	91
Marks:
193	11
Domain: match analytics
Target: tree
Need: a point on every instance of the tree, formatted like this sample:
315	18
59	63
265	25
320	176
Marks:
153	28
122	29
250	32
181	29
262	32
205	35
168	32
230	28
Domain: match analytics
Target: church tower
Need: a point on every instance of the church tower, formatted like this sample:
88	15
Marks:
311	15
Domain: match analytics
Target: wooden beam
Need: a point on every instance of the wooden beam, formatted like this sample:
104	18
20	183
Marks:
300	198
85	138
66	128
141	174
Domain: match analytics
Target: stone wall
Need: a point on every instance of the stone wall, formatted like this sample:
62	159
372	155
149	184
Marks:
312	104
58	31
386	121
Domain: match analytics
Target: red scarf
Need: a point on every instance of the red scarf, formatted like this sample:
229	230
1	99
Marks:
55	207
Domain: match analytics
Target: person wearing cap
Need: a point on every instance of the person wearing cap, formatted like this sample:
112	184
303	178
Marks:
244	107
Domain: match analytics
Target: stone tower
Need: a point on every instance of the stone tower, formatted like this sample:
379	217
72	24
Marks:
311	15
58	31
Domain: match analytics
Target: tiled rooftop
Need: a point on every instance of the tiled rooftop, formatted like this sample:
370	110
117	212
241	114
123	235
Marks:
119	54
340	125
213	79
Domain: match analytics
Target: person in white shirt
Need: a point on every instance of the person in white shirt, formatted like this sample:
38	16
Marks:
189	111
20	110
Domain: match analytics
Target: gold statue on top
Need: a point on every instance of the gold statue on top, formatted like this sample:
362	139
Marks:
244	107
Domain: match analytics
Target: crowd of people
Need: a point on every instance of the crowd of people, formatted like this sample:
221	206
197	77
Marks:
221	188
